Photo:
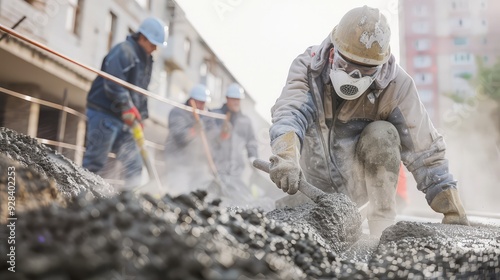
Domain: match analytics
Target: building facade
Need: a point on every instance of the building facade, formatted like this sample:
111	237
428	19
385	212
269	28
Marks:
441	43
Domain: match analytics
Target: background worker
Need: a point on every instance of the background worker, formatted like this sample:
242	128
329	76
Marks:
187	167
236	146
346	118
112	109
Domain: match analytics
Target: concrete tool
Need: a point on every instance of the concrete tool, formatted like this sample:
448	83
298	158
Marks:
307	189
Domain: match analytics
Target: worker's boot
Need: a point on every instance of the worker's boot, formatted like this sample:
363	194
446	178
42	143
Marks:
379	158
448	202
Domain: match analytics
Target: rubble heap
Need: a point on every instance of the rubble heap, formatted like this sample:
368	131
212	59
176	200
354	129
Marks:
128	236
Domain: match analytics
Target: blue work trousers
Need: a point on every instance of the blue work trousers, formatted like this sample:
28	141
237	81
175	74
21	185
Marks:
105	134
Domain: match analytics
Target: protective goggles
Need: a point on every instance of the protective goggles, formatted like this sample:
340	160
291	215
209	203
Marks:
351	80
354	70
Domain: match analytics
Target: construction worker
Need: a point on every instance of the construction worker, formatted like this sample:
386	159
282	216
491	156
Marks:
348	114
113	109
236	146
187	159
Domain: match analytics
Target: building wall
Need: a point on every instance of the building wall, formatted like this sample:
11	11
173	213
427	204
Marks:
442	42
459	33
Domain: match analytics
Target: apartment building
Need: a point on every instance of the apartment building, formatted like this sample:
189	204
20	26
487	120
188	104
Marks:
441	42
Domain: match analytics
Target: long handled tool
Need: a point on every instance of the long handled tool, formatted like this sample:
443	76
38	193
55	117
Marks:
307	189
338	223
138	135
206	148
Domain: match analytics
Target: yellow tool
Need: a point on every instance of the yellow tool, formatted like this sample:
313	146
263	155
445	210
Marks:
138	135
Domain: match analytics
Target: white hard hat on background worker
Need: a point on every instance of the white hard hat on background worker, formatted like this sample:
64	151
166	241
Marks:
234	90
200	93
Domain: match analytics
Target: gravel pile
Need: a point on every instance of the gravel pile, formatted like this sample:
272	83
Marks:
70	178
128	236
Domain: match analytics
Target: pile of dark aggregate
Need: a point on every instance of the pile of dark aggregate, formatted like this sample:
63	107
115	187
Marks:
70	179
131	236
31	189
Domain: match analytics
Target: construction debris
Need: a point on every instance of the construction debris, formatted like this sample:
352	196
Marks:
94	234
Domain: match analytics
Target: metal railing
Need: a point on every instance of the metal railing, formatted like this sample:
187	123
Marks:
66	109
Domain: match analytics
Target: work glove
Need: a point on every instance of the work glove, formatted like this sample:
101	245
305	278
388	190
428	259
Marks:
129	116
285	170
195	129
448	202
251	160
226	129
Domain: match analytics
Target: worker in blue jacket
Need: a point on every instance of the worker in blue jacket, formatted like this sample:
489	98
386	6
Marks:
113	109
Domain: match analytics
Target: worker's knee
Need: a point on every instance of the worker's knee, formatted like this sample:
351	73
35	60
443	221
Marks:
379	144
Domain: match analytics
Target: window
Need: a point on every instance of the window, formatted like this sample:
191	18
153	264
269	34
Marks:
460	4
214	84
422	44
187	50
421	27
420	10
73	16
462	58
462	22
111	28
463	75
423	79
422	61
460	41
203	69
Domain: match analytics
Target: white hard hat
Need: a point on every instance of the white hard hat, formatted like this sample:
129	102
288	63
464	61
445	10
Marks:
363	35
235	91
200	93
154	30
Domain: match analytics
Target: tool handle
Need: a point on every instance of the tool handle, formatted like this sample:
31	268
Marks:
307	189
138	134
204	141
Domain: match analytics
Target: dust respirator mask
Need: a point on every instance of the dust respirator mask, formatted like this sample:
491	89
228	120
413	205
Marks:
351	80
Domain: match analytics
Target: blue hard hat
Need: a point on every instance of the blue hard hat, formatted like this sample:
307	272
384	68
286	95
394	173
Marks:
235	91
200	93
154	30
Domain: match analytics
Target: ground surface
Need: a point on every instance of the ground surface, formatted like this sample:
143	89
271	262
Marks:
70	225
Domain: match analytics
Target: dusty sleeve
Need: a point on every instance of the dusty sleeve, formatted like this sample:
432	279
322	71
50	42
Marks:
118	64
294	110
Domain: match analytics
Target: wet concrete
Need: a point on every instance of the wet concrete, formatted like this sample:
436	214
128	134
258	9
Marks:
127	236
334	220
